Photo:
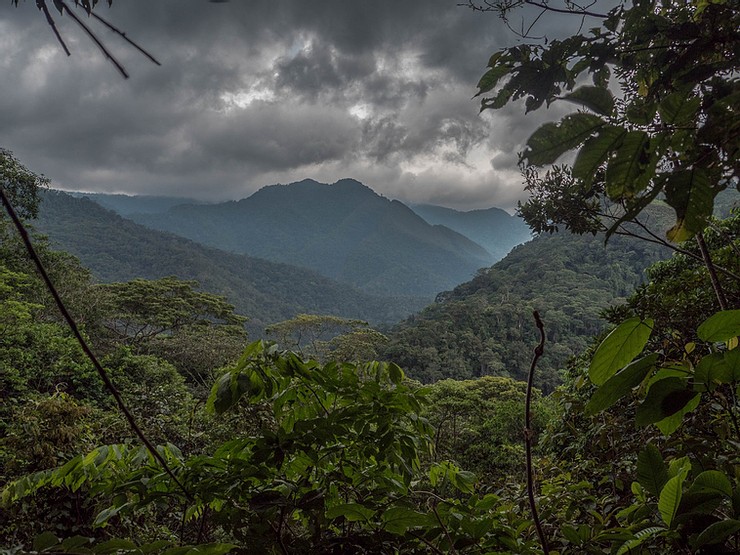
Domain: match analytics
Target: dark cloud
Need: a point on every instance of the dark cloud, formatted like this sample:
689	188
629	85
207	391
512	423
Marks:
251	93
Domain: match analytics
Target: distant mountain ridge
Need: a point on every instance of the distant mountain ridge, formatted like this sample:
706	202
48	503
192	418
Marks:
344	231
494	229
117	249
125	205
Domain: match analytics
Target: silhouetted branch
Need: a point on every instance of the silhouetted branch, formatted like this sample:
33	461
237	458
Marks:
528	433
50	20
81	340
123	35
95	39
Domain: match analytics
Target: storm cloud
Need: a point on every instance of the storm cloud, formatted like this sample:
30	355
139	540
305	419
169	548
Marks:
260	92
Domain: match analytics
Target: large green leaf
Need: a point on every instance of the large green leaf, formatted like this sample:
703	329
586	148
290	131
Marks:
598	99
353	512
712	481
692	197
397	520
717	532
627	171
491	78
713	370
619	348
596	150
679	108
670	498
721	326
552	140
671	423
652	472
665	398
620	384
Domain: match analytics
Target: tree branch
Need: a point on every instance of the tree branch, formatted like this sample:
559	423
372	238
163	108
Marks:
528	433
50	20
96	40
123	35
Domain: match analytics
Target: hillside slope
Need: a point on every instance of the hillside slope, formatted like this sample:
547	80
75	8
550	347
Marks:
344	231
116	249
485	326
494	229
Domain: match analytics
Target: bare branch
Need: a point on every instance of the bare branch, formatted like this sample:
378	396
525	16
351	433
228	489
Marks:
123	35
96	40
50	20
528	433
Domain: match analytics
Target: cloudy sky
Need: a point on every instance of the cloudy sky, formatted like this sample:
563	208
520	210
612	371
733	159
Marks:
252	93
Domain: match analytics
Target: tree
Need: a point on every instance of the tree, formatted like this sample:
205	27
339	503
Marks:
20	185
671	133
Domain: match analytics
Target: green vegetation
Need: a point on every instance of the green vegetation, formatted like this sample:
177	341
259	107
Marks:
639	446
116	249
483	327
343	231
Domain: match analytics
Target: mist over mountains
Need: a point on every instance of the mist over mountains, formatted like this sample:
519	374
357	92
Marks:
344	231
117	249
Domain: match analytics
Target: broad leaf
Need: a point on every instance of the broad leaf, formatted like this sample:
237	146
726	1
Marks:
620	384
397	520
626	173
44	541
713	481
721	326
718	532
671	423
678	108
665	397
713	370
597	99
619	348
596	150
692	197
353	512
670	498
552	140
652	472
491	78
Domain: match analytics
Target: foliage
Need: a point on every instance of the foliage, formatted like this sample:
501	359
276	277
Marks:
116	249
337	469
483	327
673	132
478	425
20	185
324	336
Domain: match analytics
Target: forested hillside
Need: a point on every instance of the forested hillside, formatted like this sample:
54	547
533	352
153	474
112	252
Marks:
485	327
494	229
344	231
116	249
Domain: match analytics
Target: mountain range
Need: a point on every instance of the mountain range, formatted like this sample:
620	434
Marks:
344	231
117	249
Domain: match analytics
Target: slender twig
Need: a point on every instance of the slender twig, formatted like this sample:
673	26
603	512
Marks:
125	37
444	529
83	344
429	544
50	20
566	11
96	40
528	433
712	272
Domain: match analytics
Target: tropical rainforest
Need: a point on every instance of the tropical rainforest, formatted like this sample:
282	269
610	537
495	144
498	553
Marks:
138	417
